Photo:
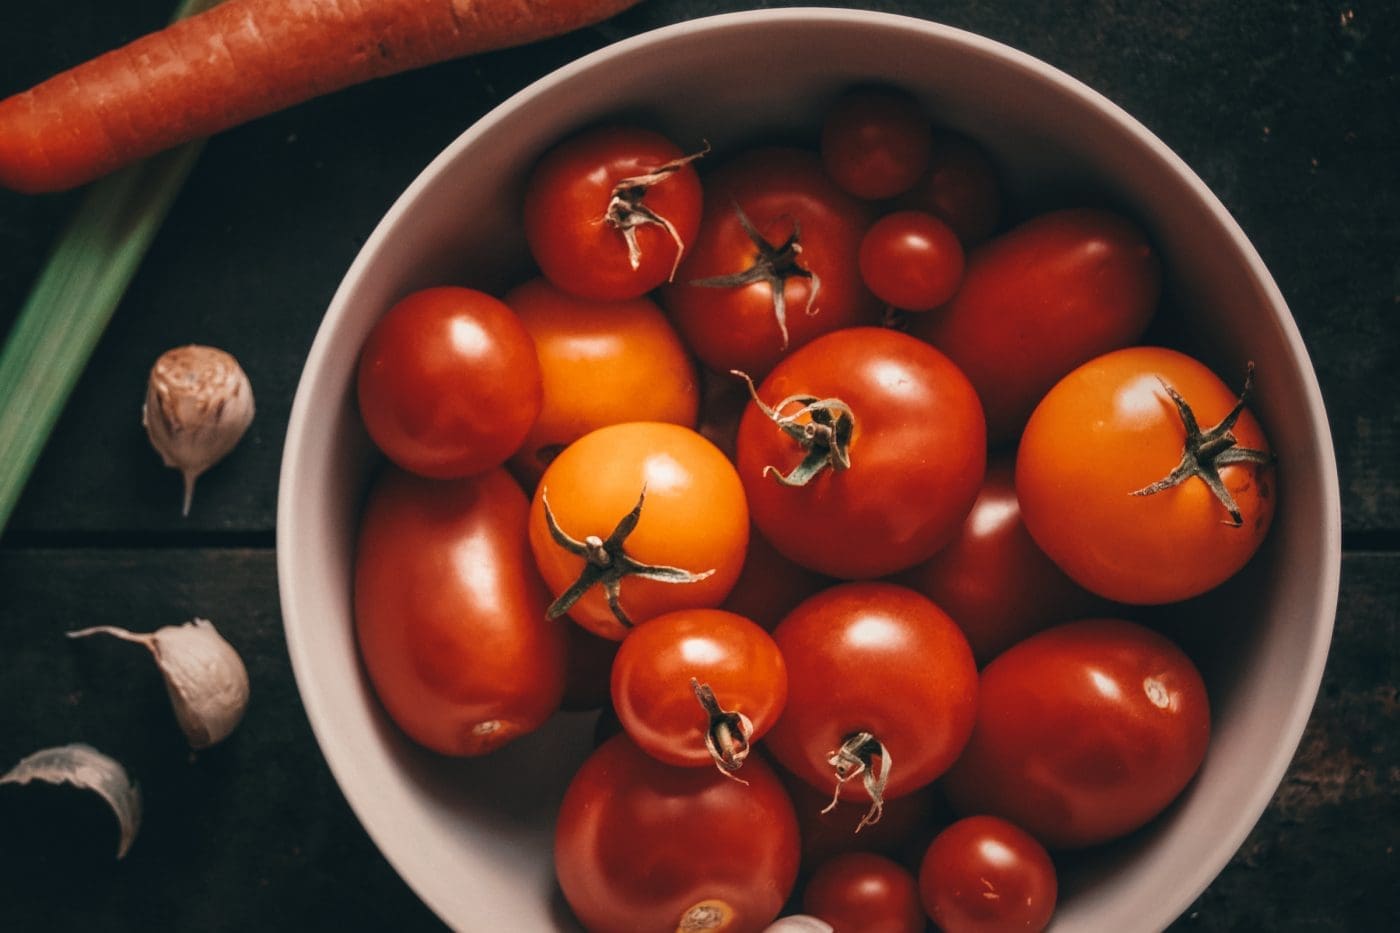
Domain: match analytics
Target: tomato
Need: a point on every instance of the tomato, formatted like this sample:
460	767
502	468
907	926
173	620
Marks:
1103	439
830	833
642	845
602	362
1040	300
698	687
985	875
610	212
911	260
588	673
1084	733
449	612
448	382
960	188
875	142
993	579
911	430
668	516
864	892
770	585
875	671
774	265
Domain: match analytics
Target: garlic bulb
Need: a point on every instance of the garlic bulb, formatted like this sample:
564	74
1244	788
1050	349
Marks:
85	767
205	677
198	405
799	923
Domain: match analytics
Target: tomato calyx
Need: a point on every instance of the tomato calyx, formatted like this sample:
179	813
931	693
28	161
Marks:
727	735
772	265
627	209
855	758
1205	452
606	563
824	435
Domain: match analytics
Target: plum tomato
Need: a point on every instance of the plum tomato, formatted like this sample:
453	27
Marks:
875	142
641	845
862	453
634	520
881	686
1144	478
448	383
985	875
960	188
698	687
770	586
449	612
774	265
1038	301
1084	733
911	261
602	363
609	213
866	893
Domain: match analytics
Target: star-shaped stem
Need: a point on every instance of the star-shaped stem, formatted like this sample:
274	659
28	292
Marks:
854	758
728	732
822	427
606	563
627	209
1205	452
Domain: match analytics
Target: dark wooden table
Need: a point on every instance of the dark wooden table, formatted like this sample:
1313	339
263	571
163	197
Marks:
1290	111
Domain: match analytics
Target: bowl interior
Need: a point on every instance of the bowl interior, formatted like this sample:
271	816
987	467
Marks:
473	837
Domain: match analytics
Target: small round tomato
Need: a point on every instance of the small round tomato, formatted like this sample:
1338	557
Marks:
862	453
642	845
602	363
459	651
1144	479
698	687
985	875
875	142
869	893
960	188
448	382
911	260
1084	733
635	520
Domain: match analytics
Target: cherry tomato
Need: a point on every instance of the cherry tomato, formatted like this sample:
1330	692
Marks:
1036	302
864	892
641	845
1084	733
1105	436
774	265
664	669
913	438
993	579
875	142
668	514
593	196
448	382
985	875
875	660
960	188
588	674
911	260
458	650
830	833
770	586
602	362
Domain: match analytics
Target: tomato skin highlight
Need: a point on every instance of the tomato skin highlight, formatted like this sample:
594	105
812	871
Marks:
449	612
864	892
985	875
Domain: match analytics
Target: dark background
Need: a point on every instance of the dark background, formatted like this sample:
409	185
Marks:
1290	112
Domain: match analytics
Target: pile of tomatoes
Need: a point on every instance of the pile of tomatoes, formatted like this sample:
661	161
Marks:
836	494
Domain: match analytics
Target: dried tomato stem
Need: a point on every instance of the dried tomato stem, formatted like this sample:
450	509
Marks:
727	735
824	435
627	210
854	758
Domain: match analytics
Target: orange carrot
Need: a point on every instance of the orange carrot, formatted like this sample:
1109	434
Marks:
241	60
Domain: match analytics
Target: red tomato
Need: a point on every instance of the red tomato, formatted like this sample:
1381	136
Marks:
1084	733
667	663
449	612
742	304
916	453
911	260
879	660
875	142
588	674
960	188
984	875
448	382
1107	433
828	834
591	198
1038	301
865	893
641	845
770	586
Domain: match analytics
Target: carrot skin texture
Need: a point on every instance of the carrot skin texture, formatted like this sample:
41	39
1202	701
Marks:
241	60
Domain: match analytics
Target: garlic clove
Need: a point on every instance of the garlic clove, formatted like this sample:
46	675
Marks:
205	677
85	767
199	404
799	923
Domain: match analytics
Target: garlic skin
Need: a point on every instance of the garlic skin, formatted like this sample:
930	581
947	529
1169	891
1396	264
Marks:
85	767
799	923
199	403
205	677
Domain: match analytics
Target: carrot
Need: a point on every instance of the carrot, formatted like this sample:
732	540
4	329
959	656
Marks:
241	60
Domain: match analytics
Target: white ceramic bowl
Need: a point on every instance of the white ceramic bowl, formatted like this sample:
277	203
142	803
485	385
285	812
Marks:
473	838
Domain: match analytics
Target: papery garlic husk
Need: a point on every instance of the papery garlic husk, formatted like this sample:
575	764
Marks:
799	923
85	767
205	677
198	405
